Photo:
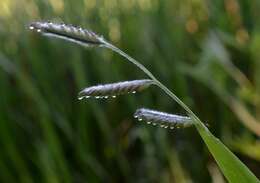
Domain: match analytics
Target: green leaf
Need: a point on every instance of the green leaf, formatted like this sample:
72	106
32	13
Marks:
232	168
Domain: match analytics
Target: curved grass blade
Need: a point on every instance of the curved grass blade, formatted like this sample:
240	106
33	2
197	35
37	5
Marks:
232	168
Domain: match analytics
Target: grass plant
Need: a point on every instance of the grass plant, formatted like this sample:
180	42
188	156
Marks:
233	169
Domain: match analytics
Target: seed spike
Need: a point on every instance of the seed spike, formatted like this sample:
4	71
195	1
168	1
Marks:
114	89
164	119
68	32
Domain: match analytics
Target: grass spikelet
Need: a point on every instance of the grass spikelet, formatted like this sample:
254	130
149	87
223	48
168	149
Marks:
114	89
68	32
163	119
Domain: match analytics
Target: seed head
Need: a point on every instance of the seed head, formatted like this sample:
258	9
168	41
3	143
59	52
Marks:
162	119
68	32
114	89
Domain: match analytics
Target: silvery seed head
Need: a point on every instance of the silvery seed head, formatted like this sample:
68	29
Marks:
163	119
114	89
68	32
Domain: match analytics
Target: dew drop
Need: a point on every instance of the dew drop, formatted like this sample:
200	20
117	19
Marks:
87	96
162	126
135	116
140	119
133	92
172	127
97	96
106	97
113	96
148	122
31	27
38	30
166	127
80	98
154	124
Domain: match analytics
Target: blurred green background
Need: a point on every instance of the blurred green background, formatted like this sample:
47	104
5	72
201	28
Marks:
207	52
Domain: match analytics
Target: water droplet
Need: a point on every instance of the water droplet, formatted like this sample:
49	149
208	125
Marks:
162	126
38	30
31	27
80	98
97	96
106	97
172	127
140	119
87	96
154	124
133	92
113	96
166	127
135	116
148	122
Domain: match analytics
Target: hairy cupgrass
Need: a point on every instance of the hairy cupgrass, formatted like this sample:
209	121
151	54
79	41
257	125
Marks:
113	89
233	169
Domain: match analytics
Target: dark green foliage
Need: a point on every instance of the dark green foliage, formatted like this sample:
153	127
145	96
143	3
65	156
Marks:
47	135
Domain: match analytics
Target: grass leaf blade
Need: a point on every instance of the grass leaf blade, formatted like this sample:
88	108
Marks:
233	169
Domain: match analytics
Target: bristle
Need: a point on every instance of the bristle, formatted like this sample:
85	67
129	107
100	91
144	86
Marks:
114	89
163	119
68	32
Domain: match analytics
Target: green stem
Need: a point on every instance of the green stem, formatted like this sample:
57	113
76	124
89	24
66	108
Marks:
198	123
233	169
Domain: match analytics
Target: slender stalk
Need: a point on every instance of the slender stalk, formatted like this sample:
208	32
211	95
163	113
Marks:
198	123
230	165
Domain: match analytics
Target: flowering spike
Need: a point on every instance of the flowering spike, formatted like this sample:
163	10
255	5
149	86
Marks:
163	119
114	89
68	32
